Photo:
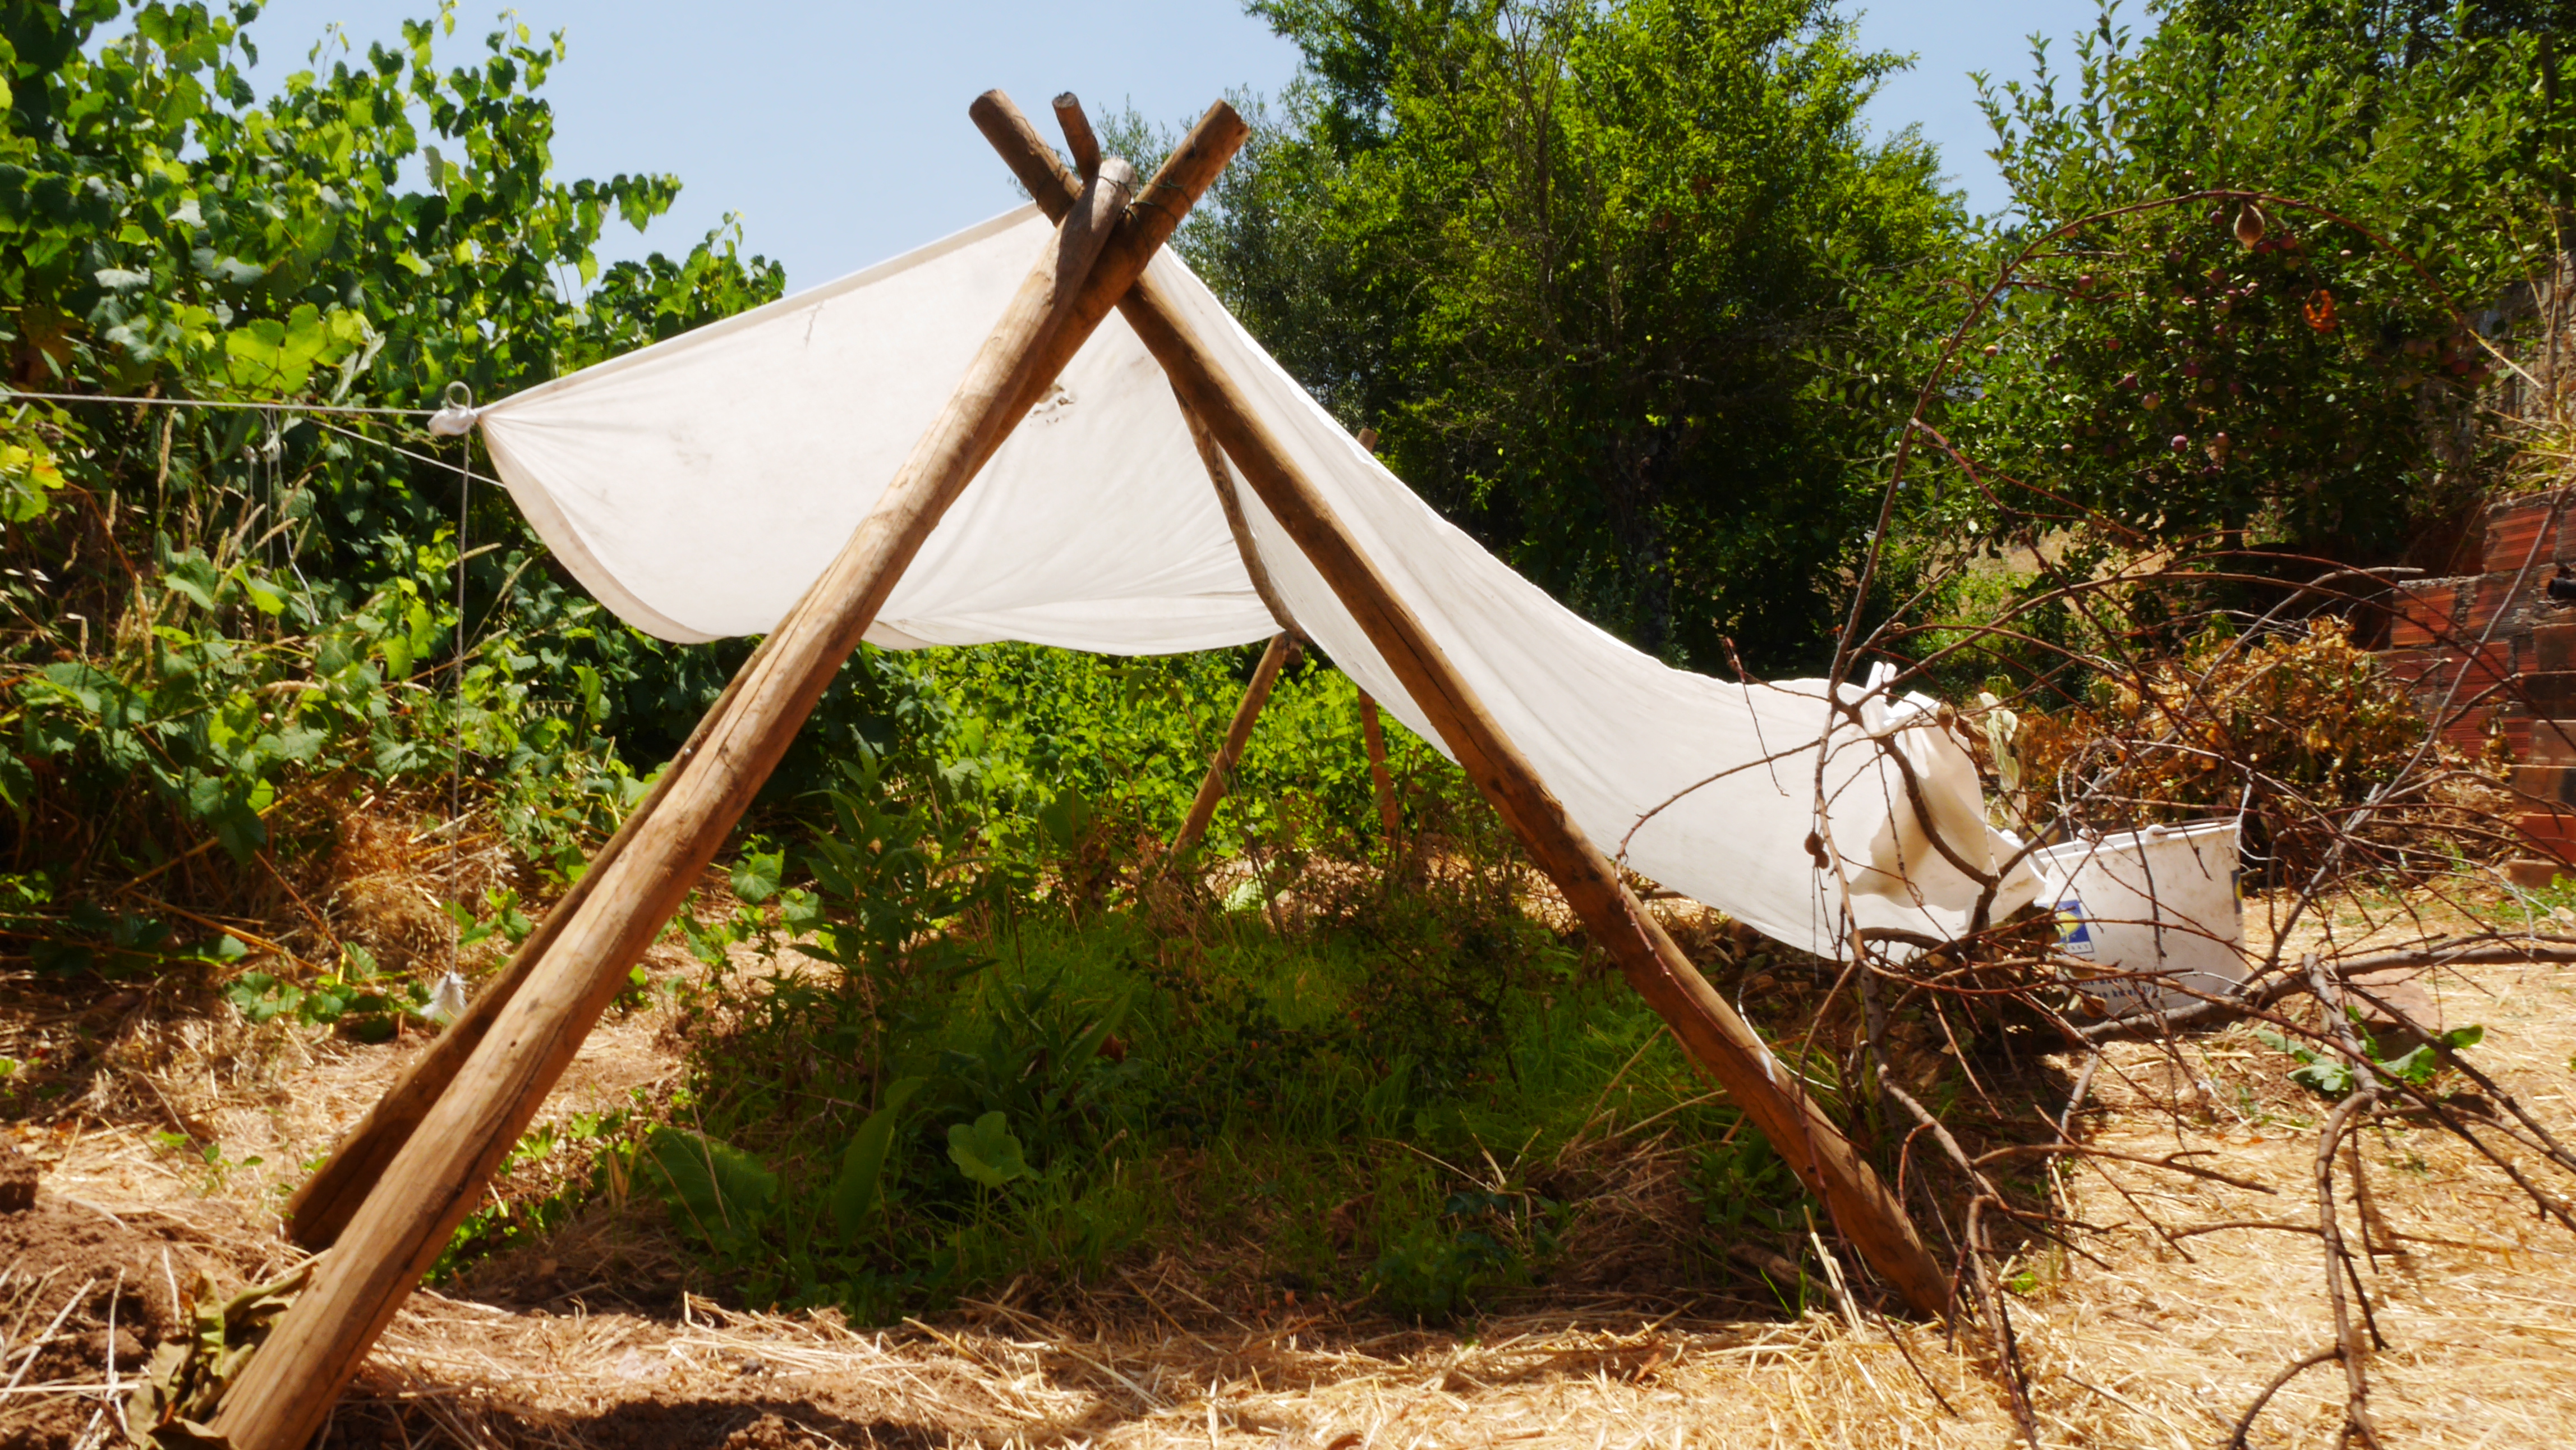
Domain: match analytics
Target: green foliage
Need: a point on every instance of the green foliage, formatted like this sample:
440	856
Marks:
548	1151
2333	1076
2276	377
720	1193
986	1152
895	869
354	997
1742	1182
170	224
28	478
205	615
1585	267
505	920
1084	749
1005	1042
91	939
859	1191
1436	1268
219	1165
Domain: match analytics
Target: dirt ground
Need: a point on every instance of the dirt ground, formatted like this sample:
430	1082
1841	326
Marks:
2141	1336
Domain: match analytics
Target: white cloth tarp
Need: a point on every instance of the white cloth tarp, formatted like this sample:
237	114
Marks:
697	487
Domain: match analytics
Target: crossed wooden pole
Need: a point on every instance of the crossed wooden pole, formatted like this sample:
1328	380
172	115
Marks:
393	1194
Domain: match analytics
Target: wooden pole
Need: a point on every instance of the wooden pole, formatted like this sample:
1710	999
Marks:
1213	458
1373	735
1283	648
1768	1092
1078	136
288	1387
322	1208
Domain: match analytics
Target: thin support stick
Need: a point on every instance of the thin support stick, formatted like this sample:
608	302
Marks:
1283	648
1222	477
456	711
1373	736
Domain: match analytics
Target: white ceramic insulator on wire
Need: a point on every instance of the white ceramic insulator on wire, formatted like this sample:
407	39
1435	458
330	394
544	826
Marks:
446	1000
453	422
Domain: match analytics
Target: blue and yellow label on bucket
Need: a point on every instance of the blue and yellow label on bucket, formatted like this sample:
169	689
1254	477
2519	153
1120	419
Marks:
2074	933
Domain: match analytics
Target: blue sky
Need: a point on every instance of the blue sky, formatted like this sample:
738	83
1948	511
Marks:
839	131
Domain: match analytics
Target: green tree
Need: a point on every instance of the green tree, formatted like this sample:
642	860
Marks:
1587	268
2267	377
199	606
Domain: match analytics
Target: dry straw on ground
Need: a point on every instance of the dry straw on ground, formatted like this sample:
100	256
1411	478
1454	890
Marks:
2132	1335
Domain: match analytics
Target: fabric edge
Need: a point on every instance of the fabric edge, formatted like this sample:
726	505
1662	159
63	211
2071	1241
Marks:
793	302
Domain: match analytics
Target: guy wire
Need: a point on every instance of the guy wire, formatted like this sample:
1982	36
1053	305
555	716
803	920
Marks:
350	409
456	714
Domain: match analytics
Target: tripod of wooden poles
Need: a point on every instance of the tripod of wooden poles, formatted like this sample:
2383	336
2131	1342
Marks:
393	1194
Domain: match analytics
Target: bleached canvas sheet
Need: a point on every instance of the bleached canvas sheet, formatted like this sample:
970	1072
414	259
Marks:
699	486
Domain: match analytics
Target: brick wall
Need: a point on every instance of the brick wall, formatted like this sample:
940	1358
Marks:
2512	653
2511	650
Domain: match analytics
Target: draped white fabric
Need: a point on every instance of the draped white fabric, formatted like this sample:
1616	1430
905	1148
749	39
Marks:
697	487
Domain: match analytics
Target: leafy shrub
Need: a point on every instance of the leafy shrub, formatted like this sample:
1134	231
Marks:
354	996
971	1025
218	626
2294	728
1480	1241
2292	377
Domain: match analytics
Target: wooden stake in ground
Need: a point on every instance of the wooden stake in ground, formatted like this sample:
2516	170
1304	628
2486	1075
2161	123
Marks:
1283	648
287	1389
1769	1092
1373	736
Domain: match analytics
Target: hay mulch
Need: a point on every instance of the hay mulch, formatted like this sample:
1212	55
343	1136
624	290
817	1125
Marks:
991	1376
2176	1330
2156	1331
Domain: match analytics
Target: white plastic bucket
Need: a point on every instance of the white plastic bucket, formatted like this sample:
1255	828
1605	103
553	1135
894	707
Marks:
2161	900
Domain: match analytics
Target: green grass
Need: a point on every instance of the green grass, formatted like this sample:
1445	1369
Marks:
1016	1042
1374	1101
